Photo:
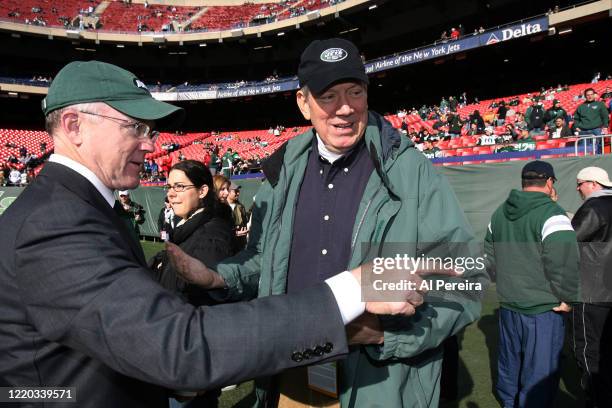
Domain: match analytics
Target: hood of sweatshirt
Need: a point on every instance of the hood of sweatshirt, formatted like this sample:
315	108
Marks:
519	203
600	193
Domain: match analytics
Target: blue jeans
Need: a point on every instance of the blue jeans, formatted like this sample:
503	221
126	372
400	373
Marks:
592	146
528	362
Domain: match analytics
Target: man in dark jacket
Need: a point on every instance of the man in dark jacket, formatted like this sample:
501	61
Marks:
501	113
531	248
454	125
535	118
132	213
559	129
592	326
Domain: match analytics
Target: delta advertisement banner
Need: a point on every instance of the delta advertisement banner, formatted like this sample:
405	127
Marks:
511	32
243	91
258	89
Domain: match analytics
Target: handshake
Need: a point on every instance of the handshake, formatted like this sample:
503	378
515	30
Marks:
194	271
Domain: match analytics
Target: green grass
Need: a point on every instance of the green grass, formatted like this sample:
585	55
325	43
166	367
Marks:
151	248
477	359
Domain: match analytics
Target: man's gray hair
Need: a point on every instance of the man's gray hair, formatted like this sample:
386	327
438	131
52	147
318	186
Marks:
305	90
52	120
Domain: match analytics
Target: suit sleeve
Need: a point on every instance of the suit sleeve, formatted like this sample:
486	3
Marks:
82	289
440	221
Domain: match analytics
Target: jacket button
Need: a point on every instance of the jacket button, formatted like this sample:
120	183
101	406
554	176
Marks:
297	357
328	347
318	351
308	353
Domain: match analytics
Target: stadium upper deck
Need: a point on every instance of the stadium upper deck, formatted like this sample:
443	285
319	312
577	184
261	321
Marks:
129	16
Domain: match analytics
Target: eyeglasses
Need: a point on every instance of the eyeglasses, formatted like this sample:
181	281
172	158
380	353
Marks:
581	183
138	130
178	187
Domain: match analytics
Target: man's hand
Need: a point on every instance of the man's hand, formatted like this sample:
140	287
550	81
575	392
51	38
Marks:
192	270
241	232
365	330
563	308
413	298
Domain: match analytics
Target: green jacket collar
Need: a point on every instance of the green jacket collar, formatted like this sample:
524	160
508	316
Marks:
382	140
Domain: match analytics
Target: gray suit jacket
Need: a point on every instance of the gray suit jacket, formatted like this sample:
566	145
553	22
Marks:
80	309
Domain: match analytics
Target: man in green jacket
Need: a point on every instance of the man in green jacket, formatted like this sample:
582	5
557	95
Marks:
590	117
531	249
347	191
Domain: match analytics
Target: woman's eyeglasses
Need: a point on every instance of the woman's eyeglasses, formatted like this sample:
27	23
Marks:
178	187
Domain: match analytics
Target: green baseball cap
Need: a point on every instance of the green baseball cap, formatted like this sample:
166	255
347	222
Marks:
95	81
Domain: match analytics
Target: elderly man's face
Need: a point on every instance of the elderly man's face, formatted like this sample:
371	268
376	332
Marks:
111	150
339	115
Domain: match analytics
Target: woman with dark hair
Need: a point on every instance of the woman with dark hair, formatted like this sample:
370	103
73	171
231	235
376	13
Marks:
205	231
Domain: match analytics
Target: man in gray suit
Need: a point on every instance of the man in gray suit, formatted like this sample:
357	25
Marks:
79	308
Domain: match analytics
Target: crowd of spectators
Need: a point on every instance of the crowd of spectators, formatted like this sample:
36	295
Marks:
519	128
175	18
40	16
19	169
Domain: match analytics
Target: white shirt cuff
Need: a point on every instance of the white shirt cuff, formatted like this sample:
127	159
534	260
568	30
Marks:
347	292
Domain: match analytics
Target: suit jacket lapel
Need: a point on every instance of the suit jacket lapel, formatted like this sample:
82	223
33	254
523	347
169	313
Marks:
80	186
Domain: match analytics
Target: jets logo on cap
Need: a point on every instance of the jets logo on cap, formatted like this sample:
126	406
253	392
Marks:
140	84
333	55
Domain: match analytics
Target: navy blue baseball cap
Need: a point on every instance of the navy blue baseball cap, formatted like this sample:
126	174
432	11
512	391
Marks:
326	62
538	169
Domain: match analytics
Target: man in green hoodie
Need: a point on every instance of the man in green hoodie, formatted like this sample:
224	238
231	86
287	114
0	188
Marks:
531	249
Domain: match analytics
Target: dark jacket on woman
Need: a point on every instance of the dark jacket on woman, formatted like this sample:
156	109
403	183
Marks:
205	236
208	237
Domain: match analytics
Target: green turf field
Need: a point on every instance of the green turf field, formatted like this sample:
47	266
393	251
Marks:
476	373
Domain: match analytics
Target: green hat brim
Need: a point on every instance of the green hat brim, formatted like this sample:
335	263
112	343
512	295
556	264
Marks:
165	115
